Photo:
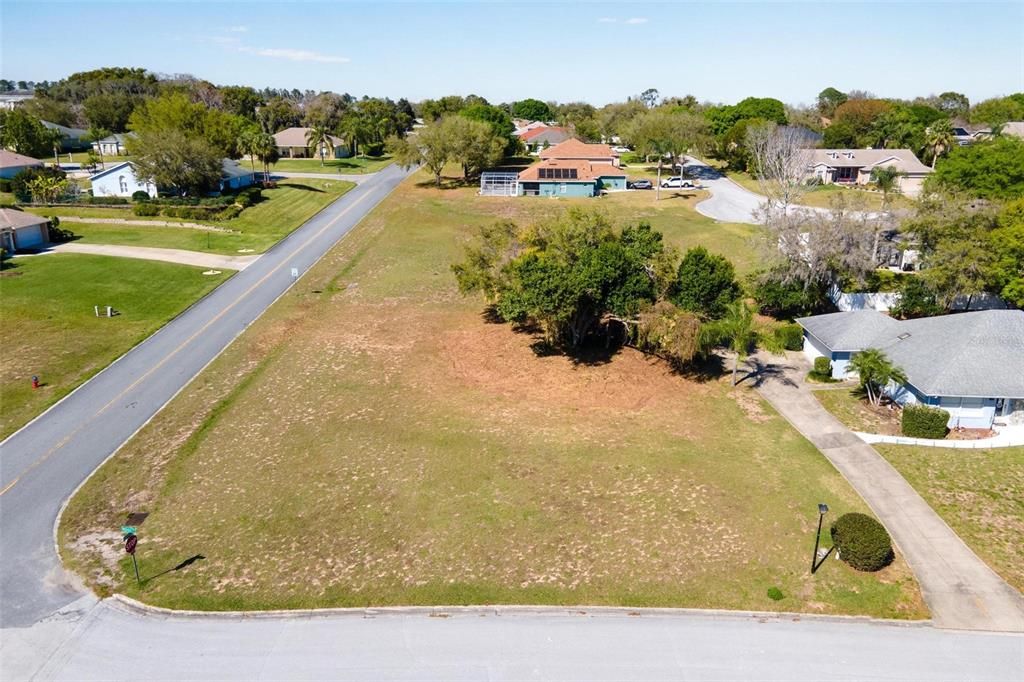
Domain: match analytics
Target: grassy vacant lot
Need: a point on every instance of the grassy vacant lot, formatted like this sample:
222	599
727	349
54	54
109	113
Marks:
354	165
49	329
856	413
978	493
374	440
259	227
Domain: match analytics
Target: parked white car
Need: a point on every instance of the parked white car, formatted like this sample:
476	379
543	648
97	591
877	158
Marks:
621	150
678	182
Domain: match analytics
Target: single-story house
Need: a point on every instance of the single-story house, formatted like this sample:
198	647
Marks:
576	150
534	139
120	181
112	145
1014	128
569	178
854	167
20	230
12	100
969	364
11	163
291	143
235	176
72	139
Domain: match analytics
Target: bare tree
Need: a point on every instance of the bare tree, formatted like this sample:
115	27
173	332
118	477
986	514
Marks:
781	162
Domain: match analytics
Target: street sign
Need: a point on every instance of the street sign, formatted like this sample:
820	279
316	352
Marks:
127	530
295	273
130	542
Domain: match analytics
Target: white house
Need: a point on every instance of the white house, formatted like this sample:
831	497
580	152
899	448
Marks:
20	230
112	145
120	181
854	167
969	364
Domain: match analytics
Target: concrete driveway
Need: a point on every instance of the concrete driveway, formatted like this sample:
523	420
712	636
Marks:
961	591
198	258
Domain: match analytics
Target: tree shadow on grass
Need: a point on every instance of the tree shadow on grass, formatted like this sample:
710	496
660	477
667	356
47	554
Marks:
446	184
297	185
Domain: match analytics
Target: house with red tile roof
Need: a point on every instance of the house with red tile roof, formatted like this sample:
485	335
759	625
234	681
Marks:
535	139
570	178
574	149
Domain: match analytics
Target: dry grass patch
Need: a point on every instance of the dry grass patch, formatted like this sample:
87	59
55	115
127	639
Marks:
373	440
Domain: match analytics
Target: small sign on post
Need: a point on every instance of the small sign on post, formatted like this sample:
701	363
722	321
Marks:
131	541
295	273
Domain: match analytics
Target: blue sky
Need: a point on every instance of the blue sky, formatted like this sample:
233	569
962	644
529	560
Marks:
593	51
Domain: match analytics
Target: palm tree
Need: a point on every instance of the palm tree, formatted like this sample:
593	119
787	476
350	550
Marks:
266	149
96	134
319	137
247	145
876	371
55	139
939	138
736	331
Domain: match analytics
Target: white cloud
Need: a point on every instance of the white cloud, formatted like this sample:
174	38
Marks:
295	55
637	20
238	29
607	20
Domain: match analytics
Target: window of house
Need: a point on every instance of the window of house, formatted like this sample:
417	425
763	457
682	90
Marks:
123	183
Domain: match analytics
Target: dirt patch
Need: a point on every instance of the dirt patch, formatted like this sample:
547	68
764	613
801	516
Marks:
498	360
751	405
106	545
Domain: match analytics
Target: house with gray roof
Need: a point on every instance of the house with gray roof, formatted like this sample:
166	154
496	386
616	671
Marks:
855	166
969	364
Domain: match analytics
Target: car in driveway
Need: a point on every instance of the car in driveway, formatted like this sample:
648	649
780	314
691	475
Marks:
678	182
640	184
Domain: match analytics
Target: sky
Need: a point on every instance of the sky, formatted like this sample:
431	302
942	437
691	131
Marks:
592	51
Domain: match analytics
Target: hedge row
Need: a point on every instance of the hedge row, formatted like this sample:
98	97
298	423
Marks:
921	421
862	542
188	212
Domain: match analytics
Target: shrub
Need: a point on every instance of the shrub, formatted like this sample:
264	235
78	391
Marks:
57	235
862	542
373	148
823	366
20	182
146	209
921	421
108	201
787	300
140	196
228	213
791	337
775	594
5	185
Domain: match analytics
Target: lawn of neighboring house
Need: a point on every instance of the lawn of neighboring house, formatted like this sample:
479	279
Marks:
821	196
49	328
353	165
259	227
848	406
978	493
373	440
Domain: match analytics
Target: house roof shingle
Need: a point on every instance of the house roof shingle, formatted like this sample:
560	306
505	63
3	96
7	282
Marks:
296	137
9	159
575	149
586	171
11	219
975	354
903	159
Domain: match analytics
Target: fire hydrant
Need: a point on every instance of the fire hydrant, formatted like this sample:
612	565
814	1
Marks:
35	381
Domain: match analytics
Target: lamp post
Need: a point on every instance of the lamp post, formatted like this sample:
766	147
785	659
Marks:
822	510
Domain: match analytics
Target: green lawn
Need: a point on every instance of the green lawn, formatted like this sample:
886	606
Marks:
373	440
822	196
354	165
259	227
49	328
856	413
979	493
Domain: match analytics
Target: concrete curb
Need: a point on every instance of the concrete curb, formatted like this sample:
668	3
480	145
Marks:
127	604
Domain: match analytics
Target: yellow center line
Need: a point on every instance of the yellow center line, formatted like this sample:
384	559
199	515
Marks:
186	342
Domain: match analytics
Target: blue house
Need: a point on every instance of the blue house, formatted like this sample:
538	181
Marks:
569	178
234	175
969	364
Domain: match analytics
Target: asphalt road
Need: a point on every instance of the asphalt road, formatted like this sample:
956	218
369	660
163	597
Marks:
43	463
728	202
112	642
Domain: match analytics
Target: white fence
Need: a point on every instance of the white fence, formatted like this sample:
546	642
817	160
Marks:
884	301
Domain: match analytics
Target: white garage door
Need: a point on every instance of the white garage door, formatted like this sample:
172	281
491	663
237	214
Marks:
29	237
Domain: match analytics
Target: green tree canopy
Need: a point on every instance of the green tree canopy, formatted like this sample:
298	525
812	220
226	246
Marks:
176	112
999	110
172	159
987	170
22	133
828	100
706	283
532	109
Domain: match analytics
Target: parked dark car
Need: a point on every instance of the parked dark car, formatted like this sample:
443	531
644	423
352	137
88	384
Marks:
641	184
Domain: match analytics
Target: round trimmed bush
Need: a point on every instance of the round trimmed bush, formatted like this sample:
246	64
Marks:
140	195
862	542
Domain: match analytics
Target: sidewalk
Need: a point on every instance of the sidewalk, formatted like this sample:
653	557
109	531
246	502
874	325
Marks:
961	591
198	258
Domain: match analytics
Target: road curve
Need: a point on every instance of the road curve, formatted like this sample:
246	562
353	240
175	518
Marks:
43	463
